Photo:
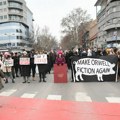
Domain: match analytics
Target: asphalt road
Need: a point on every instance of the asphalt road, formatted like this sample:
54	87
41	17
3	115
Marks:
79	91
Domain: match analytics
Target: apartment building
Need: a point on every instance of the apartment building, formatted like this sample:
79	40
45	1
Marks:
108	18
16	24
93	34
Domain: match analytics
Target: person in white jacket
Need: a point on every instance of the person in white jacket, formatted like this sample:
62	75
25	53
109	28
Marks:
89	52
7	67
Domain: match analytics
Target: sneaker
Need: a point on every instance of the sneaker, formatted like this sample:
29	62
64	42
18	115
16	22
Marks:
28	82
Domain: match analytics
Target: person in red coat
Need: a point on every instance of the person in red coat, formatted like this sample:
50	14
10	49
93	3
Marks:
60	59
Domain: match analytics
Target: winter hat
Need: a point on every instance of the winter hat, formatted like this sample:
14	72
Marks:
6	53
24	52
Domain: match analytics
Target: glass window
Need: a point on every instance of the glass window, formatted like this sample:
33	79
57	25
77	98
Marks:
0	3
20	31
17	30
5	16
17	37
1	17
4	2
1	10
20	37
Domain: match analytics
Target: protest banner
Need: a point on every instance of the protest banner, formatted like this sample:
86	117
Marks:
40	59
24	61
95	69
8	62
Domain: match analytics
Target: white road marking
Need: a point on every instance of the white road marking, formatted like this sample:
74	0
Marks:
113	99
83	97
28	95
7	92
54	97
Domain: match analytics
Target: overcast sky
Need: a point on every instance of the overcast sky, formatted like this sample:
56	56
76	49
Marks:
50	12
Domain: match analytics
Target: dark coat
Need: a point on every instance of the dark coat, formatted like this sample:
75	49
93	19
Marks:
25	70
44	68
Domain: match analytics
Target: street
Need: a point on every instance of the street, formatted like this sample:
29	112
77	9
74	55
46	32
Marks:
79	91
61	101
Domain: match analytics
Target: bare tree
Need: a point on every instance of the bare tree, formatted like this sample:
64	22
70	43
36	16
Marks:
45	40
73	23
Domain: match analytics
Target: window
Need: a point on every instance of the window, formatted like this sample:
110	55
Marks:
1	10
5	16
4	2
20	37
17	30
0	3
17	37
114	9
1	17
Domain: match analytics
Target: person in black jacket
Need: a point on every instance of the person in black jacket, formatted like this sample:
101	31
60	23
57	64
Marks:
25	69
42	69
32	65
16	64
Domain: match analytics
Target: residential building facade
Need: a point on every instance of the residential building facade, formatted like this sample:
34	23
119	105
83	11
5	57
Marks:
16	24
108	18
93	34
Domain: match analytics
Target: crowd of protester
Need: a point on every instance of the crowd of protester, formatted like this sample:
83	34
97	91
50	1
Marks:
58	57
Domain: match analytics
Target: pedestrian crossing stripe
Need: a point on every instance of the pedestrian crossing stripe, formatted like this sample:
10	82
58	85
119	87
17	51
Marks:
54	97
28	95
79	96
113	99
7	92
82	97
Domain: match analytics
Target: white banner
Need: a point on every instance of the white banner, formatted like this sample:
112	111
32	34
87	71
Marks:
24	61
8	62
40	59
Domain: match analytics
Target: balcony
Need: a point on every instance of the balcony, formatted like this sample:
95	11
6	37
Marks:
16	20
16	13
113	39
20	7
112	26
18	1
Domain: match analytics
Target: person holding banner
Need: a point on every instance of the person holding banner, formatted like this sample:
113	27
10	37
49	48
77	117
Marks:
7	67
25	67
41	60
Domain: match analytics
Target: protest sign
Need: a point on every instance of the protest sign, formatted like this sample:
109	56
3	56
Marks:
24	61
8	62
40	59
